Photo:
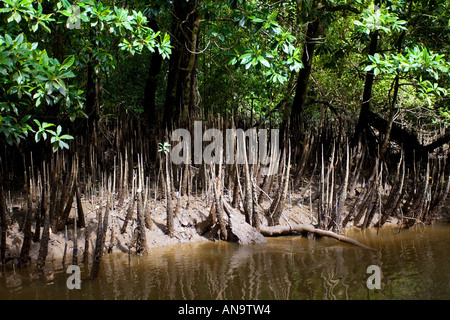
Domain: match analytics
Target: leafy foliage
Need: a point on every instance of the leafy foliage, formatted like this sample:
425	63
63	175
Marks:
31	80
249	56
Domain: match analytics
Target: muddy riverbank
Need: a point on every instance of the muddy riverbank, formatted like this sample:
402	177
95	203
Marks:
192	211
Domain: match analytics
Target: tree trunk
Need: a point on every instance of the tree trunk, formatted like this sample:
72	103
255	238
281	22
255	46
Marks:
25	251
221	217
128	216
39	217
181	87
363	121
75	243
3	222
80	212
151	84
189	89
276	207
170	228
92	99
87	233
297	126
43	247
62	221
141	241
249	208
343	195
100	242
396	86
395	196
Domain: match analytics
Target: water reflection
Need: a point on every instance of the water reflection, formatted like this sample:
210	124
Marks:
414	264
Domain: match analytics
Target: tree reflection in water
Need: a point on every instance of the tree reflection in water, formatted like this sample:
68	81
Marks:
414	264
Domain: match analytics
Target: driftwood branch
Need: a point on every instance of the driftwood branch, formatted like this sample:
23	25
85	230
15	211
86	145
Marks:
301	228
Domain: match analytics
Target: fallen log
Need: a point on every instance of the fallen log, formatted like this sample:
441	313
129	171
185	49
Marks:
302	228
243	233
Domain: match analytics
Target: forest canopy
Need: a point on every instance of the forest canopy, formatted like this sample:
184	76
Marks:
65	63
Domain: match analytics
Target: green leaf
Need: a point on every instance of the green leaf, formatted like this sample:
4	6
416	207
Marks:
233	61
19	39
61	86
245	58
376	71
66	74
273	15
425	54
9	139
63	144
68	62
163	147
46	125
66	4
8	39
264	62
15	16
26	118
257	20
42	78
5	10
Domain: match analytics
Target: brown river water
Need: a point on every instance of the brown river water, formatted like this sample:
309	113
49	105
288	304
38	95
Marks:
414	264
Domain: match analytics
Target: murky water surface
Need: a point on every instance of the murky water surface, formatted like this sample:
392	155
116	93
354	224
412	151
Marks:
415	264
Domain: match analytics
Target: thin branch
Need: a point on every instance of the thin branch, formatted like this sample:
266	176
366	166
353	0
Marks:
199	52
